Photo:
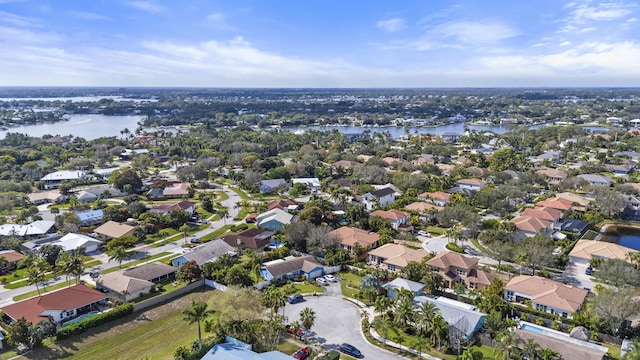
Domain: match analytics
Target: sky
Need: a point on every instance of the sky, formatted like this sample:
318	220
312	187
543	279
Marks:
320	43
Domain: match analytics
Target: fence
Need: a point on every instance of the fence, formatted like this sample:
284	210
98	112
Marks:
262	285
332	269
158	299
215	285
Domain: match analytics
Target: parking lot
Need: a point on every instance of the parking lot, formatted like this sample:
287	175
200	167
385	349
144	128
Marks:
337	321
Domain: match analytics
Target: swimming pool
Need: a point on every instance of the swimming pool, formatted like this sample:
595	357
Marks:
525	326
80	318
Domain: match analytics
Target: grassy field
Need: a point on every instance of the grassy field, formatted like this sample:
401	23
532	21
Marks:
349	284
136	262
128	338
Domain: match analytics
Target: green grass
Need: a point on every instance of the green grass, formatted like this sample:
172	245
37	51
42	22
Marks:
614	351
137	262
43	291
204	214
21	283
243	195
435	230
288	347
8	354
216	234
349	284
222	196
590	235
161	235
392	333
92	263
302	288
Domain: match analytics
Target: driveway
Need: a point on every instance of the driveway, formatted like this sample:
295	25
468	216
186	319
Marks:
574	275
337	321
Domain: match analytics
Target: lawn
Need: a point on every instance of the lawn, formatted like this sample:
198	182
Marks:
243	195
216	233
435	230
155	339
25	282
136	262
302	288
349	284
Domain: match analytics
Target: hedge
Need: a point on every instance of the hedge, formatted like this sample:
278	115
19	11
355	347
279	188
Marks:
103	318
455	247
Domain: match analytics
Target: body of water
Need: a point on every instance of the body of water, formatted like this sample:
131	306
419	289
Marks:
625	236
79	99
88	126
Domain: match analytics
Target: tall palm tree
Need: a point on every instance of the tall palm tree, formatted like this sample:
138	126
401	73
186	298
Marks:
223	212
633	351
403	312
77	266
425	313
382	304
64	265
198	312
35	275
307	317
530	348
118	253
507	344
548	354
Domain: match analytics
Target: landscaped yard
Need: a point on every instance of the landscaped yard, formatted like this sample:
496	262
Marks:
136	262
349	284
130	338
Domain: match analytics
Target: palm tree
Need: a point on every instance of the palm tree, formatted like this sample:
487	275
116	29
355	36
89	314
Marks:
35	275
382	304
403	313
633	351
426	311
198	312
307	318
530	348
548	354
118	253
438	330
77	266
223	212
183	229
507	344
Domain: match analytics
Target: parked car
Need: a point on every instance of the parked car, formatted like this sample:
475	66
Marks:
250	220
195	241
293	331
322	281
302	353
350	350
423	233
589	270
294	299
94	274
331	278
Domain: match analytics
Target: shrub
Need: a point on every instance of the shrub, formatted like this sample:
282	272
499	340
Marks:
97	320
455	248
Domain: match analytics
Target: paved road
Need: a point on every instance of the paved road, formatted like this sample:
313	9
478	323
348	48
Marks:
143	251
337	321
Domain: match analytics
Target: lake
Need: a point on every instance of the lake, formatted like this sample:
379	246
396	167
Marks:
625	236
396	131
88	126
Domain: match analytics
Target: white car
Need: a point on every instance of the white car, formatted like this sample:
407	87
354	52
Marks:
322	281
331	278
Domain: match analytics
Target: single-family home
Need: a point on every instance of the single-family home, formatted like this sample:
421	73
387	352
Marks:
111	230
37	228
58	306
545	294
312	184
271	185
620	169
527	226
344	164
292	267
398	284
463	317
129	284
450	137
11	260
556	203
54	179
347	237
381	197
281	204
207	252
568	347
471	184
596	179
579	202
175	191
395	257
553	176
438	198
187	206
399	220
585	250
426	211
44	197
236	350
457	268
544	213
84	197
274	220
90	217
254	239
70	242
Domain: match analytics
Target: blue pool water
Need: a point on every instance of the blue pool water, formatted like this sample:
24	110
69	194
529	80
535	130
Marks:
80	318
531	328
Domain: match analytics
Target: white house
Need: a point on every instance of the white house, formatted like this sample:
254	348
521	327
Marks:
313	184
384	197
545	294
471	184
53	180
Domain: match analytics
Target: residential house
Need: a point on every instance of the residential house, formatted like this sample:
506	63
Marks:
595	179
426	211
381	197
450	137
399	220
631	207
620	170
343	165
585	250
456	268
11	260
37	228
91	217
556	203
471	184
54	179
44	197
312	184
544	213
527	226
574	226
254	239
284	205
438	198
545	294
578	201
399	284
567	347
111	230
176	191
236	350
84	197
70	242
347	237
274	220
58	306
207	252
292	267
271	185
391	160
187	206
553	176
463	317
395	257
130	284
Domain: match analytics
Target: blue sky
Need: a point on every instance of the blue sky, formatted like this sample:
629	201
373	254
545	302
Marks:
319	43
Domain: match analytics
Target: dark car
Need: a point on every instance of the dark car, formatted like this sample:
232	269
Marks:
294	299
350	350
302	353
589	271
250	220
195	241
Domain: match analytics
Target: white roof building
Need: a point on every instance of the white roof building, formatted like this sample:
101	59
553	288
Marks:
36	228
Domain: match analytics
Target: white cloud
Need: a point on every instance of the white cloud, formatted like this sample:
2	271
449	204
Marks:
601	12
475	33
147	6
17	20
391	25
86	15
565	43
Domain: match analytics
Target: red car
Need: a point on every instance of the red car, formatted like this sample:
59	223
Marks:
293	331
302	353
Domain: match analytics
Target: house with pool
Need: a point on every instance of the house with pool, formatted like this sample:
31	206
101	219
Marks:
545	294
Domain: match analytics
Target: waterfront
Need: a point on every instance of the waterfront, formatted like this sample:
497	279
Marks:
627	236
